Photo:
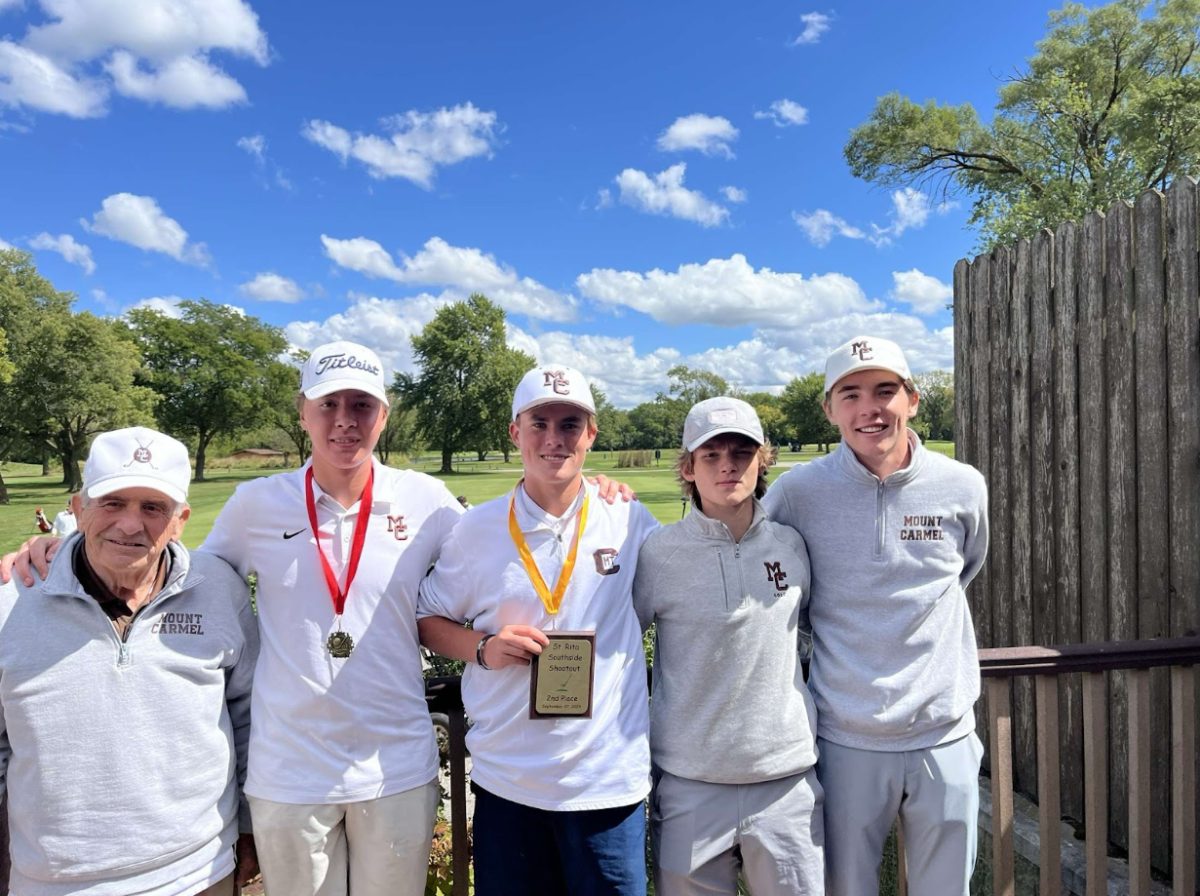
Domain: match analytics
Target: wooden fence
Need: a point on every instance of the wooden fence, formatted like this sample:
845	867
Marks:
1077	394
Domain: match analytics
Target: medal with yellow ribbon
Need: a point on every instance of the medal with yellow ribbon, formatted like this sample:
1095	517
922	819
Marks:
552	600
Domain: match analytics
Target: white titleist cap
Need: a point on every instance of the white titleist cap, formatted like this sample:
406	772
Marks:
336	366
137	458
552	384
718	416
865	353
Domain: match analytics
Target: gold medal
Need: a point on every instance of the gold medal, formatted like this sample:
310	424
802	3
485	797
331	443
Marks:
340	645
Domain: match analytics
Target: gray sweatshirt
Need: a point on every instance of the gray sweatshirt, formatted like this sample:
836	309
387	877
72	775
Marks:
121	759
729	704
894	661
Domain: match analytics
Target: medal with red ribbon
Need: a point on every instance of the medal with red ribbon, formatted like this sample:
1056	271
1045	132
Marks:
340	643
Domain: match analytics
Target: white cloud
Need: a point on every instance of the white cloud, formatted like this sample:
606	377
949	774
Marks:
138	221
4	245
385	325
28	78
768	360
271	287
785	113
418	143
64	244
709	134
186	82
734	194
168	305
815	25
154	29
665	194
255	146
464	270
727	292
821	225
910	211
153	50
924	294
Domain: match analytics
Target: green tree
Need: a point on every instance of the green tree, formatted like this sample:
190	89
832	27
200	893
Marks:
30	309
936	409
1108	105
212	368
770	414
657	424
95	391
688	386
462	394
283	382
399	436
801	404
613	424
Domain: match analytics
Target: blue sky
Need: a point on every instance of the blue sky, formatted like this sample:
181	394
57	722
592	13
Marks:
639	185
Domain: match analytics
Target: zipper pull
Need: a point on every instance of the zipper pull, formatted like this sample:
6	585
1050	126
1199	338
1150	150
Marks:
123	658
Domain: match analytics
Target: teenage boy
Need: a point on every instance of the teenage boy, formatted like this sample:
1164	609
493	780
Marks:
558	798
894	533
343	761
732	725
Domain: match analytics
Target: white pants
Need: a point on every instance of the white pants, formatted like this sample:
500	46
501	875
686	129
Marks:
935	792
703	834
372	848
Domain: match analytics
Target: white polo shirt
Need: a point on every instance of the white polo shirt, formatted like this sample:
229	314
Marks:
566	763
323	729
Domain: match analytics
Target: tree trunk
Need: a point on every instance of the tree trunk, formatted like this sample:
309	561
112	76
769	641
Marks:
4	499
505	451
447	460
45	461
481	456
201	448
72	477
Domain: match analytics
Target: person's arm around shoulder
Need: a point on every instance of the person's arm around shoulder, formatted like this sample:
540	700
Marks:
34	556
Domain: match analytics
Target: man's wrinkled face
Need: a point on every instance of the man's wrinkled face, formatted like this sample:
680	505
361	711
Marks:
126	531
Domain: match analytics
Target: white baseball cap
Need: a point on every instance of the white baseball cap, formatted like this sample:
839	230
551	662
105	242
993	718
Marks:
137	458
718	416
552	384
336	366
865	353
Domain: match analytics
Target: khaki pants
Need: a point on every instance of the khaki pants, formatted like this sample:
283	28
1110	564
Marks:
371	848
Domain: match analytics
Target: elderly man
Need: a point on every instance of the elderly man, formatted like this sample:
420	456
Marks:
125	695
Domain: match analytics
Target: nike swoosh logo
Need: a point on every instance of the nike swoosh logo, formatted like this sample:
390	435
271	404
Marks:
287	535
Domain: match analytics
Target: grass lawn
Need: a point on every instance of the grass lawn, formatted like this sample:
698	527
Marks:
479	482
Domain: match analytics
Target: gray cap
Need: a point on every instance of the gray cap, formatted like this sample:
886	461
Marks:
718	416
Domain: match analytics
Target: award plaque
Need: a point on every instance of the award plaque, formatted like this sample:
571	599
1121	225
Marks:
561	677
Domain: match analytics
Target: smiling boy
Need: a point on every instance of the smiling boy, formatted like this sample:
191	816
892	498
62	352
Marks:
894	533
732	724
558	798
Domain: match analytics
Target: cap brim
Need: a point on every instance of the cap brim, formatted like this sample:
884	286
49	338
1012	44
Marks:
553	399
117	483
328	387
865	367
721	431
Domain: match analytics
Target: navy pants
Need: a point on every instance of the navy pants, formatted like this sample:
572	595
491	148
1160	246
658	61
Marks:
522	851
